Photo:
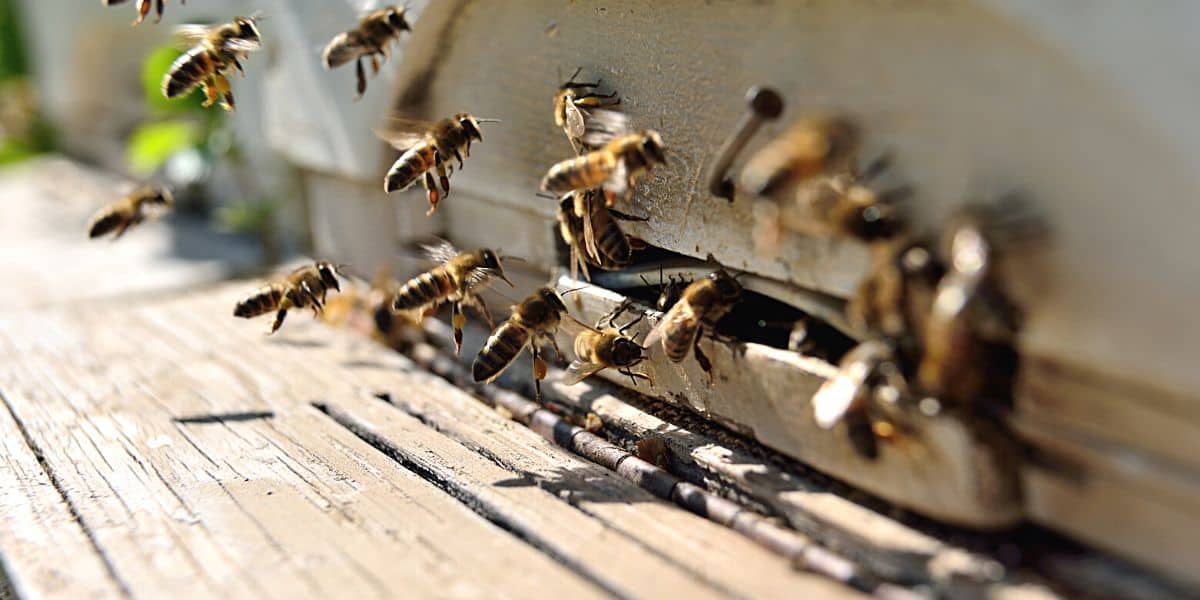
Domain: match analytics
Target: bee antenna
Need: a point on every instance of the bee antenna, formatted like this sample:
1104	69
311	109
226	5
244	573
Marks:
488	120
573	290
546	196
258	15
575	74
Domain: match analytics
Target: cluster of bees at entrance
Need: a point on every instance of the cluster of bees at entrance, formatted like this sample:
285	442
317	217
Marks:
937	322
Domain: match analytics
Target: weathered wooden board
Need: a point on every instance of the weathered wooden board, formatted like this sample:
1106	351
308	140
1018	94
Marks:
765	393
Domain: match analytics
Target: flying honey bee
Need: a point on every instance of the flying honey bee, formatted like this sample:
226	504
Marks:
428	147
143	9
594	238
371	39
811	146
972	324
614	168
604	347
368	309
533	322
304	287
701	305
572	104
846	204
865	395
128	211
457	280
216	49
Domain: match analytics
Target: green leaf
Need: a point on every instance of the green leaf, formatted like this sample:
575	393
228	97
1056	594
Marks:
153	143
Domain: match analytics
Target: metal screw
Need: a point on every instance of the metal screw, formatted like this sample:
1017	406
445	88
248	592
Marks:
765	105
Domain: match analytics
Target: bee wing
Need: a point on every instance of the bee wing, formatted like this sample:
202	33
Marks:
575	125
839	395
191	35
241	45
681	315
578	371
442	252
343	48
400	140
363	6
574	326
603	125
617	183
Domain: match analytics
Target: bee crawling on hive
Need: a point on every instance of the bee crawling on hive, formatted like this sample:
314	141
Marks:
371	38
427	148
214	51
591	233
573	105
604	347
702	303
534	321
457	280
865	395
621	158
143	9
306	286
129	211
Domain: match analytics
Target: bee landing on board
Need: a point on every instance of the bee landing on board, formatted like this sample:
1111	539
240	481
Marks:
371	39
533	322
594	238
303	287
573	105
865	395
895	297
143	9
604	347
216	49
972	325
702	303
614	167
368	309
457	280
426	148
129	211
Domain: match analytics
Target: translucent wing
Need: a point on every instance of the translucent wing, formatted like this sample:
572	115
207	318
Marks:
574	326
441	252
363	6
575	126
241	45
841	394
480	276
191	35
578	371
343	48
403	132
617	184
603	125
681	315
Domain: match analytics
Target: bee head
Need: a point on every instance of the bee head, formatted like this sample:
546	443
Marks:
551	297
328	275
395	18
491	261
652	146
627	352
163	196
470	124
728	287
246	29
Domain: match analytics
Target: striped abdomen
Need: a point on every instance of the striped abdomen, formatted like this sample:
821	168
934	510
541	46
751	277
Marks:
265	300
410	166
680	334
188	71
499	351
431	287
611	242
580	173
107	221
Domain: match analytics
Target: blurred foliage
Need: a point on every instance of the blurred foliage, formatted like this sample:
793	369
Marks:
175	125
255	218
23	132
13	62
152	144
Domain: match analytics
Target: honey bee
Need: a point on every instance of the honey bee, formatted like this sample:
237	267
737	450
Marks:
809	147
701	305
972	324
571	105
304	287
370	39
603	347
129	211
143	9
368	309
614	167
594	238
428	147
215	50
457	280
865	395
895	296
533	322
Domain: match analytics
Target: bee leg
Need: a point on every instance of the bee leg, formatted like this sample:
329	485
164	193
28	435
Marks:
362	77
158	10
705	364
431	192
226	91
539	372
483	310
458	320
210	92
459	157
317	306
443	175
238	65
279	317
143	10
374	65
634	376
554	344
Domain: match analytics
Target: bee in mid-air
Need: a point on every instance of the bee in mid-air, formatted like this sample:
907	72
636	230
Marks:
428	147
594	238
143	9
613	168
702	303
128	211
572	104
972	324
865	395
457	280
533	322
368	309
811	146
303	287
604	347
216	49
370	39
